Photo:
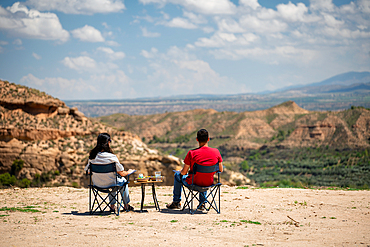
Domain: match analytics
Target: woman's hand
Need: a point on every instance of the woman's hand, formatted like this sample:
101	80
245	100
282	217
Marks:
130	171
125	173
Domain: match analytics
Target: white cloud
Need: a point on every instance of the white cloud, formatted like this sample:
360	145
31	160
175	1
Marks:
250	3
181	23
79	63
19	21
2	42
112	43
148	34
197	19
209	7
208	29
292	12
364	6
331	21
35	55
179	72
278	55
105	86
87	7
149	54
165	15
17	42
88	34
229	25
221	39
112	54
322	5
252	23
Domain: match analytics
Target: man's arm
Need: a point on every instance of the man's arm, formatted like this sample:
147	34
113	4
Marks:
185	169
220	167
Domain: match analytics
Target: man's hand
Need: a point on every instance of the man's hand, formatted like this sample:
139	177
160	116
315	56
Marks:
185	169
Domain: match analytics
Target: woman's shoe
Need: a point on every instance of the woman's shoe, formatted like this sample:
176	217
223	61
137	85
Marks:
113	208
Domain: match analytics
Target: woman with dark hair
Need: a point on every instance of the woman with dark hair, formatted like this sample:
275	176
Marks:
102	154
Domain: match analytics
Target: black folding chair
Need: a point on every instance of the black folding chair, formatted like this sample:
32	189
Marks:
100	201
213	191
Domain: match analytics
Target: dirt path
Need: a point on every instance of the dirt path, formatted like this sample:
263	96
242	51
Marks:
325	218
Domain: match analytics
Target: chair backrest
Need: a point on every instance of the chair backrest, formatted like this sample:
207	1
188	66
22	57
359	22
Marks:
106	168
103	168
205	169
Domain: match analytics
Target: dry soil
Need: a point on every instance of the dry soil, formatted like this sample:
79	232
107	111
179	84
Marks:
287	217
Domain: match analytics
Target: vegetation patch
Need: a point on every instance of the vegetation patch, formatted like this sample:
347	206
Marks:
308	167
250	222
25	209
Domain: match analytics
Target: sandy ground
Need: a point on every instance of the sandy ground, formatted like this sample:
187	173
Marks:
325	218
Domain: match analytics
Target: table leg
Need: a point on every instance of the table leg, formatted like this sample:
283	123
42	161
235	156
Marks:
155	198
142	196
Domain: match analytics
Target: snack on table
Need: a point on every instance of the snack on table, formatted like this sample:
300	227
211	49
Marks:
142	179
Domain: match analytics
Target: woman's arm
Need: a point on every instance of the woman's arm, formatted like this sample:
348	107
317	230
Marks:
125	173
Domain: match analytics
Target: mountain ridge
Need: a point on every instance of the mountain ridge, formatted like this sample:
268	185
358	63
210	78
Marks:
315	97
283	126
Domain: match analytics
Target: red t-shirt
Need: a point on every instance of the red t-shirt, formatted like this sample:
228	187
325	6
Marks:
205	156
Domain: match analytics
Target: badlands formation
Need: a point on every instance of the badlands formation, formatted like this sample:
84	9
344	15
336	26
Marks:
53	140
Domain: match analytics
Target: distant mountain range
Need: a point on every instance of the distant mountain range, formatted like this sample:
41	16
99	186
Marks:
336	93
340	81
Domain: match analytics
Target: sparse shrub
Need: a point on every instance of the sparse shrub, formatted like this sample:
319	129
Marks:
36	180
24	183
7	179
75	185
16	166
244	165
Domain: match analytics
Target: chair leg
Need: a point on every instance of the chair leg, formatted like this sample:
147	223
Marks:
219	200
186	195
90	200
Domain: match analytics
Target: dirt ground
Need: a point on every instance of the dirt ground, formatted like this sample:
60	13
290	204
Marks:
287	217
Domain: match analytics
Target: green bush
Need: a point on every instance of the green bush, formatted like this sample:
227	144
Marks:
24	183
75	185
7	179
244	165
16	166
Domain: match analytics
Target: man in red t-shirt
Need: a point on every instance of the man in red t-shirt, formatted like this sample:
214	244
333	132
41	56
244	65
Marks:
203	155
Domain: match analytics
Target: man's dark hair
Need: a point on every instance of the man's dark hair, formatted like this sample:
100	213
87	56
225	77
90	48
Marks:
202	135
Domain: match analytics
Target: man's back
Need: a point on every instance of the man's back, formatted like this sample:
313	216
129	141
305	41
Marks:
205	156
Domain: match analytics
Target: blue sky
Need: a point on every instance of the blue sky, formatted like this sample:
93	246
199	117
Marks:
116	49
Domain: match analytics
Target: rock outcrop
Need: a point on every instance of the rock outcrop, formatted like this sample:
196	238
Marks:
54	140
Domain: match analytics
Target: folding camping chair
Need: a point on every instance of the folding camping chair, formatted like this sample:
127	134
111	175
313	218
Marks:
99	201
213	190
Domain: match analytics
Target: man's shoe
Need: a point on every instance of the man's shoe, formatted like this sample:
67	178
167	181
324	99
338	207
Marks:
174	205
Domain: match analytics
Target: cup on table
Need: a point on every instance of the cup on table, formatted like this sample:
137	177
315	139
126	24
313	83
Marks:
141	176
157	176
